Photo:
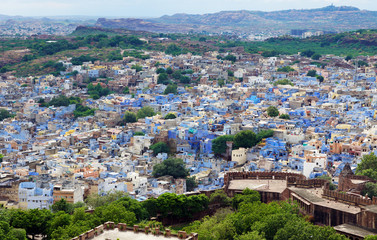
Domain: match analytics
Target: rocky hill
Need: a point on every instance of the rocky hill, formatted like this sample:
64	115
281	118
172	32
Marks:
331	18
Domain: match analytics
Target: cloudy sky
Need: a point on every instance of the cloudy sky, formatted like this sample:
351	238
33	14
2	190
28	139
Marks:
156	8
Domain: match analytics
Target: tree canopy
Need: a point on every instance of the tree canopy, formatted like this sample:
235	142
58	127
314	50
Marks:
174	167
219	143
160	147
368	166
170	116
144	112
245	139
272	111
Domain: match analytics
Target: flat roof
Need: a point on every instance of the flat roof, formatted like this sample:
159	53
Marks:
353	230
116	234
314	195
267	185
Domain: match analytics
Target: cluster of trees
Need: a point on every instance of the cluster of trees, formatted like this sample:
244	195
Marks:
165	76
313	73
368	167
240	218
170	116
175	50
97	91
176	206
131	117
245	139
311	54
272	111
5	114
55	67
286	69
252	220
283	82
81	59
60	101
135	54
176	168
228	57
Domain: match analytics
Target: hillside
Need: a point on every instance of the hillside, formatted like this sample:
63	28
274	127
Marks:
329	18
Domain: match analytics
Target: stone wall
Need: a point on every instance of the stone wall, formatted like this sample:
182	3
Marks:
348	198
136	229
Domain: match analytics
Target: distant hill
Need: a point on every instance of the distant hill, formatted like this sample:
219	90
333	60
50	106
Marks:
330	18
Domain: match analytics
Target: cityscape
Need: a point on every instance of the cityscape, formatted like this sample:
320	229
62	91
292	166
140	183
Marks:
163	128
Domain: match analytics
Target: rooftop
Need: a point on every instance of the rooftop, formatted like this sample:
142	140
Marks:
353	230
116	234
267	185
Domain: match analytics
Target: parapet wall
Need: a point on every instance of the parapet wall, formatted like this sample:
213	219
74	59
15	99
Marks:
290	177
122	227
310	183
348	198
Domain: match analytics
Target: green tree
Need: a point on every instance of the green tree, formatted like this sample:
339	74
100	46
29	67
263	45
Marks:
144	112
62	205
129	117
171	88
126	90
231	58
264	134
138	68
160	147
169	70
349	57
139	134
95	200
170	116
221	82
247	196
219	143
285	69
368	166
250	236
283	82
284	116
312	73
370	189
191	184
176	75
4	114
272	111
163	78
316	56
160	70
320	79
245	139
307	53
220	197
174	167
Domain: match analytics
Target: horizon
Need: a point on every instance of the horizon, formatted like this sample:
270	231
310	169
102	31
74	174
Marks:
54	8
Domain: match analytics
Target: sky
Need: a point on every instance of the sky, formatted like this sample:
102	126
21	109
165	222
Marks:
157	8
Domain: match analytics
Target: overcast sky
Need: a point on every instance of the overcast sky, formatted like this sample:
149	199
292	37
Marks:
156	8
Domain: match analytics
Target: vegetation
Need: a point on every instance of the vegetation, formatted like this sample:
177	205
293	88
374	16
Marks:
283	82
171	88
284	116
160	147
129	117
139	134
285	69
272	111
4	114
368	166
219	144
144	112
97	91
83	111
255	220
191	184
174	167
246	139
170	116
